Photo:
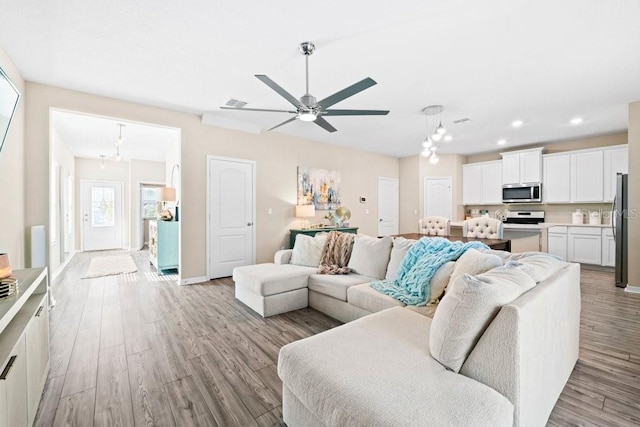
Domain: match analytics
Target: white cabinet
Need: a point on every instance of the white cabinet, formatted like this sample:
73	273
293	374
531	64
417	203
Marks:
587	176
585	245
556	185
557	241
608	248
615	160
14	378
482	183
37	356
522	166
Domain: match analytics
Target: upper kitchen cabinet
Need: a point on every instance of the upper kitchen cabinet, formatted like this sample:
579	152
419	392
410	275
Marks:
522	166
616	160
556	185
482	183
587	176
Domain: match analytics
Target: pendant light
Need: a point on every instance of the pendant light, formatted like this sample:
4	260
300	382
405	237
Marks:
120	139
434	133
102	164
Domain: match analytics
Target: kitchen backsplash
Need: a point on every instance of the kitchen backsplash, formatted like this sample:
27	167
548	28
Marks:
554	213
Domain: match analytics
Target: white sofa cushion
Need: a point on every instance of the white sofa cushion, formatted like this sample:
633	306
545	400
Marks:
440	280
539	266
270	279
307	250
468	308
335	285
370	255
377	371
369	299
400	248
474	262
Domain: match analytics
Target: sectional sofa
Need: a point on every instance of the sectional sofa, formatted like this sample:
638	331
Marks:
470	360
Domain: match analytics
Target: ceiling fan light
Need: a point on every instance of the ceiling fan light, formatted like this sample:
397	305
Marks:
307	116
440	130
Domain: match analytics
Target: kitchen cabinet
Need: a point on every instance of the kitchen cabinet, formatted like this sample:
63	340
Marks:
587	176
585	245
615	160
556	184
482	183
522	166
608	248
557	241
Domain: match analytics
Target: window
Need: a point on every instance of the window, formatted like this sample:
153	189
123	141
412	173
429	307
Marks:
149	200
102	206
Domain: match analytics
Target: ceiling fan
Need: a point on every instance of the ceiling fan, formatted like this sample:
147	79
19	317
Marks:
307	108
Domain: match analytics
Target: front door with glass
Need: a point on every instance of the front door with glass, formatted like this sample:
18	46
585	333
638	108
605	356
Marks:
102	215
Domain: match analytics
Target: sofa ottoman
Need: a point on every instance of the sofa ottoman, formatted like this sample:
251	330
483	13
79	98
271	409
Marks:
271	289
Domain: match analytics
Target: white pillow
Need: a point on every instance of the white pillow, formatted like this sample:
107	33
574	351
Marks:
307	250
370	256
474	262
400	248
440	280
468	308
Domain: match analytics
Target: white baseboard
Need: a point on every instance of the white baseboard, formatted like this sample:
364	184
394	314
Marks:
63	265
632	289
193	280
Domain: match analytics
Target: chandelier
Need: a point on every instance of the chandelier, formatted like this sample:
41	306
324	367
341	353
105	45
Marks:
435	132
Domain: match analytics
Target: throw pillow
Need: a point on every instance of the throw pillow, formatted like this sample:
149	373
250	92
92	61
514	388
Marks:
400	248
474	262
307	250
539	266
440	280
370	256
468	308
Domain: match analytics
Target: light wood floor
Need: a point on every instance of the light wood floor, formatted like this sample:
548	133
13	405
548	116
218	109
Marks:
132	350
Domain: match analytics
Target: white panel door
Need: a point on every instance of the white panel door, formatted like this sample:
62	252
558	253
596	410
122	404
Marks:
556	185
101	215
587	177
471	184
615	160
437	196
388	200
232	212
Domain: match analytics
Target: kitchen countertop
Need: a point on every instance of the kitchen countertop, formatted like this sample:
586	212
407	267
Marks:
538	227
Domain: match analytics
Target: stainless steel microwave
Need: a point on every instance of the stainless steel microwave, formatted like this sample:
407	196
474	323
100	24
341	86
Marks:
528	192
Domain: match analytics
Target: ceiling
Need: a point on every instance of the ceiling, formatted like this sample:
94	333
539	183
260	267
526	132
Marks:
543	62
90	136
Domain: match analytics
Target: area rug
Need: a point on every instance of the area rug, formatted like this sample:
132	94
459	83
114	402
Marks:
110	266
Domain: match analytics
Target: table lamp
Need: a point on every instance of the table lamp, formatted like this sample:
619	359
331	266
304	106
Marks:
304	212
5	267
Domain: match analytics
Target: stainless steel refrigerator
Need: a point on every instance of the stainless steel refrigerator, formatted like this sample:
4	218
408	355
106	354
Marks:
620	230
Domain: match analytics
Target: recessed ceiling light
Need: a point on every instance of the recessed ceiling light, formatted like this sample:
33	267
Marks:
502	141
448	138
576	121
517	123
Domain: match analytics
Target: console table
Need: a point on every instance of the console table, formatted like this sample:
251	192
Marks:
163	244
24	348
313	231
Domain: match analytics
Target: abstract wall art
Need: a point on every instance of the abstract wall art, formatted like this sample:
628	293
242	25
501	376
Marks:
319	187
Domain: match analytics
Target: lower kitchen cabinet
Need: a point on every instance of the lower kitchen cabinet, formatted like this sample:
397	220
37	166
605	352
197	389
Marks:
608	248
14	379
584	245
557	242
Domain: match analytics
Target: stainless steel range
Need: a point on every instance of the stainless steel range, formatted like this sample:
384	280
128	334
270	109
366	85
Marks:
524	217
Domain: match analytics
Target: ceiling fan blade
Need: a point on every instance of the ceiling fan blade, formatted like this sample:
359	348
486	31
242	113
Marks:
258	109
355	112
324	124
275	86
283	123
346	93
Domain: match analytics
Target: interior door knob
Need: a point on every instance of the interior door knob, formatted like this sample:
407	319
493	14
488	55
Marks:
380	219
249	224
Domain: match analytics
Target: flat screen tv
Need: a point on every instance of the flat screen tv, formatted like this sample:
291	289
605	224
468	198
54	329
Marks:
9	96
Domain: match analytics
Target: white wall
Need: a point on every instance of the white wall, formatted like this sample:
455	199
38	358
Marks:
277	156
12	177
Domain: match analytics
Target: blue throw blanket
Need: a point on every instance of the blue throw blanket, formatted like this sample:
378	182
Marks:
413	283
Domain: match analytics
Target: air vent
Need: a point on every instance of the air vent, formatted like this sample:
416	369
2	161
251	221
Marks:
235	103
461	121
